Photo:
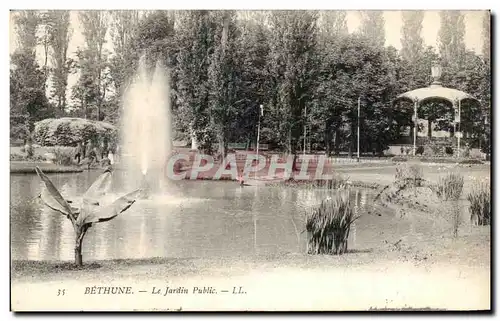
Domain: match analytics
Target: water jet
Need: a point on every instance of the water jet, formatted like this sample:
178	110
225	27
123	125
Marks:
146	130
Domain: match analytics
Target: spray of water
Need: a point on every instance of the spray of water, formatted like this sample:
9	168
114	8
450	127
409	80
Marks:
146	127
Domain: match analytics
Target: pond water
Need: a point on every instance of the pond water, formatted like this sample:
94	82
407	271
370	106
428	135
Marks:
194	219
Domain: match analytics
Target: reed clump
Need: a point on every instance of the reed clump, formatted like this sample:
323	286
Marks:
328	225
480	203
450	187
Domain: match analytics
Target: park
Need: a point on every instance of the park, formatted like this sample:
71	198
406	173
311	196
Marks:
269	155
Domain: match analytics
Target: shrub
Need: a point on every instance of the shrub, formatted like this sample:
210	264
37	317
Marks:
328	225
63	155
336	182
399	159
450	187
70	131
448	150
411	175
471	161
480	203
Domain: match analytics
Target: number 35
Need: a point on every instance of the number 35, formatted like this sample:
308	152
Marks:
61	292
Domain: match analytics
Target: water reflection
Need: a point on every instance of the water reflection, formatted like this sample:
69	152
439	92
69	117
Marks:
195	219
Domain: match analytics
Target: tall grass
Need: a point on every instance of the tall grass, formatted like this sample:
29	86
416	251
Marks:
480	203
63	155
328	226
449	188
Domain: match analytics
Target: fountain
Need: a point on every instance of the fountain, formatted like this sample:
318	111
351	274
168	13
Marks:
146	126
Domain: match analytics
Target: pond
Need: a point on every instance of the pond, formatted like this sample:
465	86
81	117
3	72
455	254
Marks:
193	219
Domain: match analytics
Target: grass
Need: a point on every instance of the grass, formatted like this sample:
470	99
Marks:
449	188
328	225
480	203
63	155
28	167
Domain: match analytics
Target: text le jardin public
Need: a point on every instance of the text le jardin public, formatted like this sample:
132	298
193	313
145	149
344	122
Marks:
162	290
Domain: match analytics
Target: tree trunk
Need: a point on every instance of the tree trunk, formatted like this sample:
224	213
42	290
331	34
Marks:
80	234
78	248
429	129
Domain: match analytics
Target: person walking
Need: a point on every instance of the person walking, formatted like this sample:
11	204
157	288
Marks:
79	151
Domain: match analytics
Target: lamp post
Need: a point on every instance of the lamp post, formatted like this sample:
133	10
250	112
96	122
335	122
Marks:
359	112
261	112
305	118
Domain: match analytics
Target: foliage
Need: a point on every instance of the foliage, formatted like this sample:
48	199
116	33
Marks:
409	175
450	187
480	203
63	155
28	103
372	26
328	225
58	32
93	83
91	211
71	131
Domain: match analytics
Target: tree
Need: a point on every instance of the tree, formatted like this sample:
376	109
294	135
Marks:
222	77
27	81
451	37
334	23
485	33
27	95
26	25
58	30
373	26
95	26
411	40
124	24
195	40
254	88
91	211
293	66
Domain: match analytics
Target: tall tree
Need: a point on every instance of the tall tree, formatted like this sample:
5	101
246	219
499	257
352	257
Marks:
194	37
451	37
27	96
26	25
334	22
254	85
28	102
373	26
486	35
223	79
294	65
411	40
124	24
95	27
58	29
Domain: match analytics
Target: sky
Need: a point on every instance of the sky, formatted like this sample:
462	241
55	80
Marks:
393	25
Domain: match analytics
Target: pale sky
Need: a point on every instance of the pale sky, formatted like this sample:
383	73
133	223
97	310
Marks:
393	24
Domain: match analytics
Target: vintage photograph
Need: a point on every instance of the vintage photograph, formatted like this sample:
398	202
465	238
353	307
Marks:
235	160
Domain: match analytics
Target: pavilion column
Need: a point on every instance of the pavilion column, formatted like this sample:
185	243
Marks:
415	129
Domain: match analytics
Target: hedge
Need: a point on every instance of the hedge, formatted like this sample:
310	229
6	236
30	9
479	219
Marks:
70	131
